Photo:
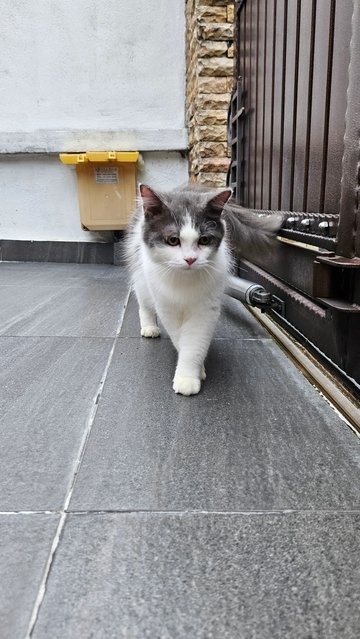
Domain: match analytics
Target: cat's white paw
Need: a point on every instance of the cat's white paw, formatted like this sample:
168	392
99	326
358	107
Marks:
203	373
186	385
150	331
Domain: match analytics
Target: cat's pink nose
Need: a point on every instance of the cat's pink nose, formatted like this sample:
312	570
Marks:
190	260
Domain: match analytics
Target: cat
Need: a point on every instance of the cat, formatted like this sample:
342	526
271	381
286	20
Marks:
179	252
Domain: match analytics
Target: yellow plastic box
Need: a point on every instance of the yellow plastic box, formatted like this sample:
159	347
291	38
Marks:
106	187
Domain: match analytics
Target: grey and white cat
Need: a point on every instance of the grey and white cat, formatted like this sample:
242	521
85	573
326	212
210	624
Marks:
179	253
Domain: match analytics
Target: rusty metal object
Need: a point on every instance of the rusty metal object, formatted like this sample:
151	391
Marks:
294	138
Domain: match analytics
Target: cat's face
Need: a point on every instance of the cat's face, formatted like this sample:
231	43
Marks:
183	230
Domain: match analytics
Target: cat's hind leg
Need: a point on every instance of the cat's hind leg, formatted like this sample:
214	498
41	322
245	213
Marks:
147	315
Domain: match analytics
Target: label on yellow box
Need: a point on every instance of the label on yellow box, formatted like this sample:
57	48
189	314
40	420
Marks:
106	175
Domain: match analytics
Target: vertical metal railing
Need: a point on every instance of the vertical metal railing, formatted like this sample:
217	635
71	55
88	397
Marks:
292	63
295	141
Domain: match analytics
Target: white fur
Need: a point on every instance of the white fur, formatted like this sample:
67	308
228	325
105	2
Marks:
186	298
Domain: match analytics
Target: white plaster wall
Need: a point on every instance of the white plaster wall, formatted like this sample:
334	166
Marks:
79	75
39	195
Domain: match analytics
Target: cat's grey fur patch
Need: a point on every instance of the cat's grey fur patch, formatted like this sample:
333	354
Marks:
173	208
247	231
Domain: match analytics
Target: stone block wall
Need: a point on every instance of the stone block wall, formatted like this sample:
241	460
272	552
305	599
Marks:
209	63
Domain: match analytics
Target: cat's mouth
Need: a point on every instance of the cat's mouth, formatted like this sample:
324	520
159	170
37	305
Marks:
187	268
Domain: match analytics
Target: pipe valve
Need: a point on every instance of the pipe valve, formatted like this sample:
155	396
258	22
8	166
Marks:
251	293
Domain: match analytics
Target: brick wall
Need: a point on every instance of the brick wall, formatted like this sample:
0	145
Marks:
209	62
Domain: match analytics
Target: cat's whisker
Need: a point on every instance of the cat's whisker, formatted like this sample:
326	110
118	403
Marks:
209	274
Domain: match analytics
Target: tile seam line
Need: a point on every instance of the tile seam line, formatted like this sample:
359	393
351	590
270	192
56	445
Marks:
36	336
215	339
284	511
63	512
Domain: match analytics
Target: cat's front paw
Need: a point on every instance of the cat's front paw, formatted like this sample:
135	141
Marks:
150	331
186	385
202	373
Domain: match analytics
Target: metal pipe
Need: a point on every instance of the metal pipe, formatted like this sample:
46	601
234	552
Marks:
249	292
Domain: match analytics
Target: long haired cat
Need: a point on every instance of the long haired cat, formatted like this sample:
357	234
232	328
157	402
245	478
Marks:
179	253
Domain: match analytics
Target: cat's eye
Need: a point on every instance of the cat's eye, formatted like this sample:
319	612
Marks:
173	240
204	240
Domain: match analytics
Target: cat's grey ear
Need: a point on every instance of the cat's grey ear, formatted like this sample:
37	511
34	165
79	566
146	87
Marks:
151	202
218	202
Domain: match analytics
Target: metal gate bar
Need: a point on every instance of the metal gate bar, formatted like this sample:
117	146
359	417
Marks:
292	63
294	136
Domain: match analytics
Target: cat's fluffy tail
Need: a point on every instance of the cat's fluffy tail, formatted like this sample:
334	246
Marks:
249	231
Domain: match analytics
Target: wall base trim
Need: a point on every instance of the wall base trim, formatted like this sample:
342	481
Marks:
49	251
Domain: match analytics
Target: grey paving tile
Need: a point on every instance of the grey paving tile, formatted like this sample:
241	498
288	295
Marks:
258	436
204	576
87	305
47	389
236	322
92	311
24	549
131	325
46	274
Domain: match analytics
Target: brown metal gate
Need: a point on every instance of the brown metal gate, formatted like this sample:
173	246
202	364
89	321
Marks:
294	128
